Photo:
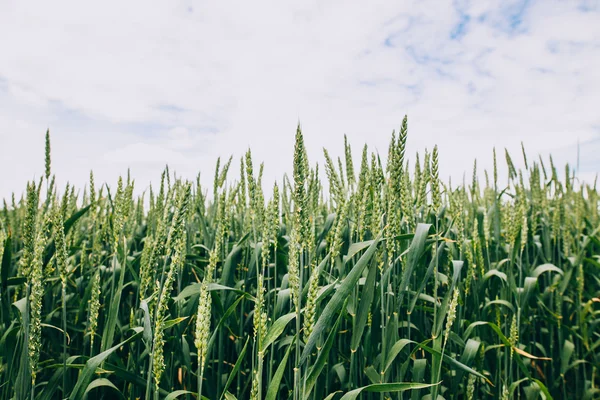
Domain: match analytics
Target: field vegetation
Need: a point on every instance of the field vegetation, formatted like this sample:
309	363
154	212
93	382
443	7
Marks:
356	279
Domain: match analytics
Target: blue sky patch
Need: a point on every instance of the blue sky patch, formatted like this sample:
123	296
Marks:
460	30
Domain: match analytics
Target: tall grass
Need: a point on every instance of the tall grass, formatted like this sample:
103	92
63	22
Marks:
392	285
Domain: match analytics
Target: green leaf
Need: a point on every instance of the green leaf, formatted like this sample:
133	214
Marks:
236	367
276	329
6	260
177	393
229	396
527	289
501	303
100	382
16	281
316	369
273	389
58	329
52	385
372	374
355	248
506	342
229	311
172	322
230	265
532	392
496	273
147	324
194	288
113	309
546	268
415	252
395	350
129	376
513	386
363	308
21	305
93	363
468	357
565	355
439	253
386	388
418	374
543	388
23	383
342	292
457	364
73	218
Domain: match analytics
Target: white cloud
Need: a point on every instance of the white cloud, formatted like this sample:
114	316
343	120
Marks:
183	83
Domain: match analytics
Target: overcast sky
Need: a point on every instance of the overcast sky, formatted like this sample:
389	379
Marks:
144	84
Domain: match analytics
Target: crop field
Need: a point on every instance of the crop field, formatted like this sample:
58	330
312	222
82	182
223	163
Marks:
370	278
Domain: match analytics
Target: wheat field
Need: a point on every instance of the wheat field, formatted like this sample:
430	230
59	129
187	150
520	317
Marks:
373	279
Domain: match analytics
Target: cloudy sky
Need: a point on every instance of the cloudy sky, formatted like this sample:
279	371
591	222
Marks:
144	84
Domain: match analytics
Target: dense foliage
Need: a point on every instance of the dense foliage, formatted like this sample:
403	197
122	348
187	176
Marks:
389	283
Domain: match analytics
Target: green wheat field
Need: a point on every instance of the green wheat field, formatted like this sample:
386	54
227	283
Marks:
356	279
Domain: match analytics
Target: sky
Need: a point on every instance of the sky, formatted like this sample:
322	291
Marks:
143	84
